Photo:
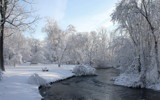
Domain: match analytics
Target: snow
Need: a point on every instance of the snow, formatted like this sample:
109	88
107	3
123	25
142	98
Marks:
36	79
80	70
155	86
129	80
130	77
15	86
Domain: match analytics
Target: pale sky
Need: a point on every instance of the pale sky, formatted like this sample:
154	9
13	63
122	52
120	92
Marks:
85	15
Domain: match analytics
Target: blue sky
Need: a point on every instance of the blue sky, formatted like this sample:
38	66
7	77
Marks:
85	15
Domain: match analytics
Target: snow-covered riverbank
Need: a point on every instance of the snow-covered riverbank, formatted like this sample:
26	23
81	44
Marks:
14	85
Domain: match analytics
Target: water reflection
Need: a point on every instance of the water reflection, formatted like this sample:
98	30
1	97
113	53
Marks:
97	88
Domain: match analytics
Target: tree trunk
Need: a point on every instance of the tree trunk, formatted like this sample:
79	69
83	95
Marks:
139	65
157	55
1	50
156	49
61	58
2	11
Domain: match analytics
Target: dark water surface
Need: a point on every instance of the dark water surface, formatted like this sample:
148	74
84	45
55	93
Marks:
96	88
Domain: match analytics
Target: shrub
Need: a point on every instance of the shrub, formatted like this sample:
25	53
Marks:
80	70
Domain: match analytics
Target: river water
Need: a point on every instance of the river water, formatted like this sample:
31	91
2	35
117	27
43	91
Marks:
98	87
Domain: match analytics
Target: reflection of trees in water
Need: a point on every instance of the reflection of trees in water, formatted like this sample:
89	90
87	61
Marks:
97	88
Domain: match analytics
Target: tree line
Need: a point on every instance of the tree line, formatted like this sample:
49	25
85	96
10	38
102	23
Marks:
60	46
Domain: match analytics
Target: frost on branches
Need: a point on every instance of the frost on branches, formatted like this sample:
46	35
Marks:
139	21
80	70
133	78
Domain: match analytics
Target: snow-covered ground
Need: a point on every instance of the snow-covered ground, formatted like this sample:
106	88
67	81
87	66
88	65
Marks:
14	85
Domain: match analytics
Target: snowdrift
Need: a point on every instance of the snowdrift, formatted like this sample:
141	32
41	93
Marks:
36	80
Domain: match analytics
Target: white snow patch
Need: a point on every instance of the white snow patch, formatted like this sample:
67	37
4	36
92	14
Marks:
80	70
14	85
36	80
155	86
129	80
131	77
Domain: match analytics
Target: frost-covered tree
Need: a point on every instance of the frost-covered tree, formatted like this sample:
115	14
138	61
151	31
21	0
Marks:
37	51
14	15
16	59
54	39
72	47
139	19
102	56
38	57
19	46
76	51
88	48
123	52
65	44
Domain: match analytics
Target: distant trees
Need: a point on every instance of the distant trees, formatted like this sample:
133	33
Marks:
70	46
54	39
37	51
13	16
122	51
14	49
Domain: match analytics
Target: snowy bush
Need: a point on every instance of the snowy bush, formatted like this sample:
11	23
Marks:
80	70
36	79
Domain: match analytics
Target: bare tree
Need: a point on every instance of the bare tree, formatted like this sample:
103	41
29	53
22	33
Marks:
15	15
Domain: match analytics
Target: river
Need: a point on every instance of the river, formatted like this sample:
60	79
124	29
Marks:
98	87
